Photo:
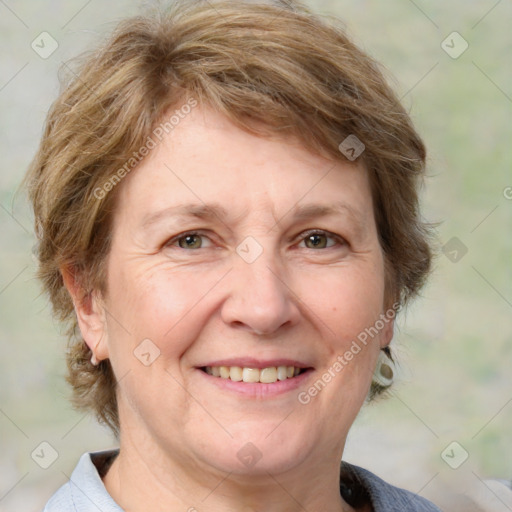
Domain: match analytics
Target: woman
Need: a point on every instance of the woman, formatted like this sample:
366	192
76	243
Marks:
227	213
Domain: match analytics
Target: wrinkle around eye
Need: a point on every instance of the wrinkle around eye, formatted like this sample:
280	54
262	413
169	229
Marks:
210	241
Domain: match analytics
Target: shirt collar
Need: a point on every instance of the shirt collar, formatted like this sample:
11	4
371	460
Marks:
86	486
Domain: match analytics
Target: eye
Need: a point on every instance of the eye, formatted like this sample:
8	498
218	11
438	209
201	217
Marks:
319	239
191	240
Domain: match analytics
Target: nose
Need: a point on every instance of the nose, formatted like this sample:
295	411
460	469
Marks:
260	299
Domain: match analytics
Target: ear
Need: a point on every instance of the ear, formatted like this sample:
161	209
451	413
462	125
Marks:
386	334
90	312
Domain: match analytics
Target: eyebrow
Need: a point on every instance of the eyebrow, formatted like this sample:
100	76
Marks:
321	210
311	211
196	210
216	210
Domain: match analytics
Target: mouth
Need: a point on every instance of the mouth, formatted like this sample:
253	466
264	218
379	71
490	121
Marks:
266	375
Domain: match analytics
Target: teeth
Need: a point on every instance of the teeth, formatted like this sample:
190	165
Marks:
235	373
264	375
250	375
268	375
282	373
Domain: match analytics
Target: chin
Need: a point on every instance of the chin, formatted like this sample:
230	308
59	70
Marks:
261	451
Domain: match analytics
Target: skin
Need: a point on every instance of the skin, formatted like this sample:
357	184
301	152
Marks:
180	431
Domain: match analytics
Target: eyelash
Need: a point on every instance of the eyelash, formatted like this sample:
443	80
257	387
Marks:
303	236
338	239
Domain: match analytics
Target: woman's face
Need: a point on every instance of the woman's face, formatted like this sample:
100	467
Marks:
238	252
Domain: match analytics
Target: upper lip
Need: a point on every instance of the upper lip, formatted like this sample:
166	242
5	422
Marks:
251	362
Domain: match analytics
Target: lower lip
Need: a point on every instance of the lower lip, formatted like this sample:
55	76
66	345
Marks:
258	389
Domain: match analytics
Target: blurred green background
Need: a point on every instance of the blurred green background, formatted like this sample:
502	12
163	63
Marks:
454	345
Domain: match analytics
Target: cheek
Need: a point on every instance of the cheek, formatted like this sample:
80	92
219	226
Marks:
159	305
349	300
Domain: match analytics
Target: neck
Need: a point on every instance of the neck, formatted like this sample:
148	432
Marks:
141	479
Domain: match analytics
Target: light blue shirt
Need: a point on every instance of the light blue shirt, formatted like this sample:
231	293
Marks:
85	492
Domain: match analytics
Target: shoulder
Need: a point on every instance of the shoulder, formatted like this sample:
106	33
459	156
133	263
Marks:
84	491
384	497
62	500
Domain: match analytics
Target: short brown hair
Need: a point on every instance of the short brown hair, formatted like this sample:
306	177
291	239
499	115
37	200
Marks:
274	69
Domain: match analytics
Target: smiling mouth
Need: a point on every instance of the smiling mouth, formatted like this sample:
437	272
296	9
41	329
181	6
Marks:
262	375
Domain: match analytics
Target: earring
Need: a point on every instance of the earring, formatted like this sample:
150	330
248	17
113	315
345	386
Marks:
383	375
94	359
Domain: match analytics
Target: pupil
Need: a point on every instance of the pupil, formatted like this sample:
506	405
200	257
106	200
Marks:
190	239
315	240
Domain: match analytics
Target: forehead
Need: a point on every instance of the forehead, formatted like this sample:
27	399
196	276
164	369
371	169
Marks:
206	159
